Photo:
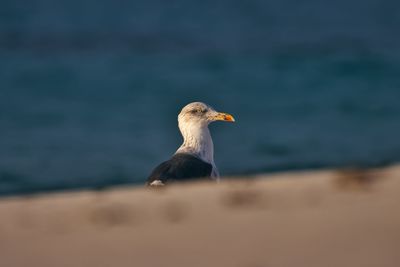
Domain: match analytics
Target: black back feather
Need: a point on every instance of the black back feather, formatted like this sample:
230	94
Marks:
180	167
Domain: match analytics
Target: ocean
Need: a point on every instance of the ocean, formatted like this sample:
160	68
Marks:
90	90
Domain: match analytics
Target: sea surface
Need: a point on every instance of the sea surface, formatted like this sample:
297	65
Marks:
90	90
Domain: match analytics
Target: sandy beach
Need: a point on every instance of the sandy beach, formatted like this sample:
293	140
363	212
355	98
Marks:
316	218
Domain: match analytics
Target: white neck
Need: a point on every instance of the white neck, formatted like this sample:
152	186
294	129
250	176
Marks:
197	140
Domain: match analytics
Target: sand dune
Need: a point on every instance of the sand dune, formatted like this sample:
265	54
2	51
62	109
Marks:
324	218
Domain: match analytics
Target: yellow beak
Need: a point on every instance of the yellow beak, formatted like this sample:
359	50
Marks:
224	117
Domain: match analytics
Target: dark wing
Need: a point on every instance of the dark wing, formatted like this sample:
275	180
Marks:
180	167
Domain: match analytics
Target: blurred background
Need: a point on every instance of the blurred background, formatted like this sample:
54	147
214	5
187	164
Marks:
90	90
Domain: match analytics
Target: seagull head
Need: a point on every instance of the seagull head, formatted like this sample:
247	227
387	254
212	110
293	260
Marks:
200	114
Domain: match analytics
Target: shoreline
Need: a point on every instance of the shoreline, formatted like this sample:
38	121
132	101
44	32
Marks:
305	218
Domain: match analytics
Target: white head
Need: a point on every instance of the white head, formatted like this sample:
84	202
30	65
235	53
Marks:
193	123
200	114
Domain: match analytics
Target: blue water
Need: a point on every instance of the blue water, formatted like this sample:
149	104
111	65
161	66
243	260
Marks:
90	90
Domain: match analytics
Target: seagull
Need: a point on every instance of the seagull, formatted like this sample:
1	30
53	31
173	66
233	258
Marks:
195	157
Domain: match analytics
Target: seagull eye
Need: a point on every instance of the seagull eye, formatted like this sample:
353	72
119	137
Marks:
198	111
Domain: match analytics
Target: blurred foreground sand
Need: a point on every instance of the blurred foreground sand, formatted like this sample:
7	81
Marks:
324	218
